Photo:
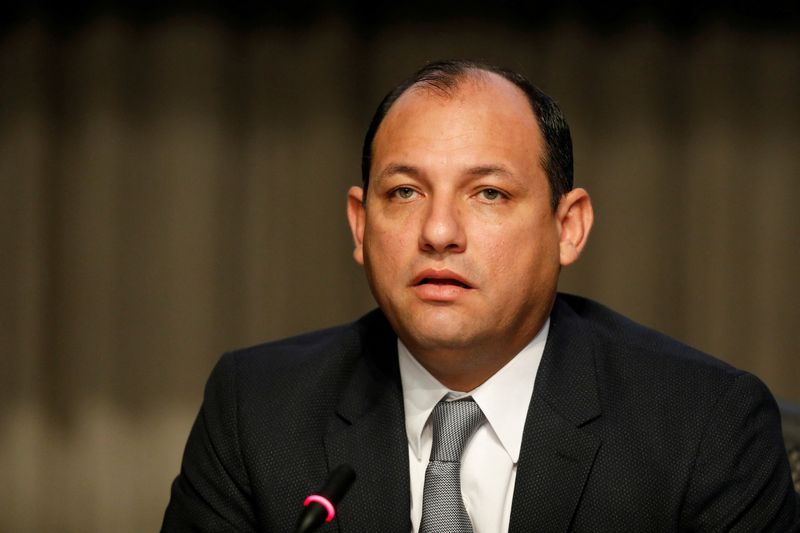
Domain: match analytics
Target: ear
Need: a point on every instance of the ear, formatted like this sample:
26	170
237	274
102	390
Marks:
575	217
356	216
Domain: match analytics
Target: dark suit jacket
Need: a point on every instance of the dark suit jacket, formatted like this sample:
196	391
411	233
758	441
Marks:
627	430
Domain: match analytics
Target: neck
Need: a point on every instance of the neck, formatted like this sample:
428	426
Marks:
464	365
463	370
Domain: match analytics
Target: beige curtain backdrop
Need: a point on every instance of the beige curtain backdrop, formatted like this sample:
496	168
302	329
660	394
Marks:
173	190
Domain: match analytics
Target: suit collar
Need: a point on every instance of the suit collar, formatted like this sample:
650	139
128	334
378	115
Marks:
567	379
561	436
560	441
369	434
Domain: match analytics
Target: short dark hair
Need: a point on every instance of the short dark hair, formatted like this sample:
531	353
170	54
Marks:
446	76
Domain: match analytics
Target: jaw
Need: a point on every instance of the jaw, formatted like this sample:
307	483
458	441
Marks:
456	347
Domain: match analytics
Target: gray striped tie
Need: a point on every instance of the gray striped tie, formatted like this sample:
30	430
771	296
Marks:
442	506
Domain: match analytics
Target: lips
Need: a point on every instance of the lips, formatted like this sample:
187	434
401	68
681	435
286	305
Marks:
440	277
440	286
443	281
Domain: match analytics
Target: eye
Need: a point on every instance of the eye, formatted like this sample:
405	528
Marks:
491	194
404	193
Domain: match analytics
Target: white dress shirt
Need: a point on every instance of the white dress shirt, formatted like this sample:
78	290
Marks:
489	463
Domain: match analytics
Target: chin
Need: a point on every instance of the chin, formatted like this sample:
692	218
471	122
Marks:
431	326
434	334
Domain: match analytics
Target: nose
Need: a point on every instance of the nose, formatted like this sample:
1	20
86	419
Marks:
442	228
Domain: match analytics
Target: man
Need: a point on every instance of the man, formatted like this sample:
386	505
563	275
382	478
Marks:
581	419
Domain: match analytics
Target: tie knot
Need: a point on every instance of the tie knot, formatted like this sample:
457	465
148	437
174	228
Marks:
453	425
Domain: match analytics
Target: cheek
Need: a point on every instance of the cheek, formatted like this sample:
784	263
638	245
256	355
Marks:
522	255
501	254
386	251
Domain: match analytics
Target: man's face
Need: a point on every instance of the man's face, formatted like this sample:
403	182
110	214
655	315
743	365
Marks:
458	238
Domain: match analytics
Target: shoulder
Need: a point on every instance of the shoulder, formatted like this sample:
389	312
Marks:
616	338
679	426
642	374
313	361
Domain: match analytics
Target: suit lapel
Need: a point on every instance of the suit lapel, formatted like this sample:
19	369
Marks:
369	434
561	438
559	444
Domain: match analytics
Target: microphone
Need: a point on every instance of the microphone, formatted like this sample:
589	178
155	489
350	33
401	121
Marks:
319	507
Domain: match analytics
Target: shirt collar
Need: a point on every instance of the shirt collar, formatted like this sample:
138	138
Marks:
504	398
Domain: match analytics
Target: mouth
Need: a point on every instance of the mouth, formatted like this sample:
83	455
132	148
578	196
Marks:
441	278
442	281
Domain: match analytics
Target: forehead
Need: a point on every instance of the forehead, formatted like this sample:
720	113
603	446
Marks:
483	109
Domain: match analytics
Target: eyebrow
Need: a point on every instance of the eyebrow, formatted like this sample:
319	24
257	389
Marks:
398	168
485	170
409	170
